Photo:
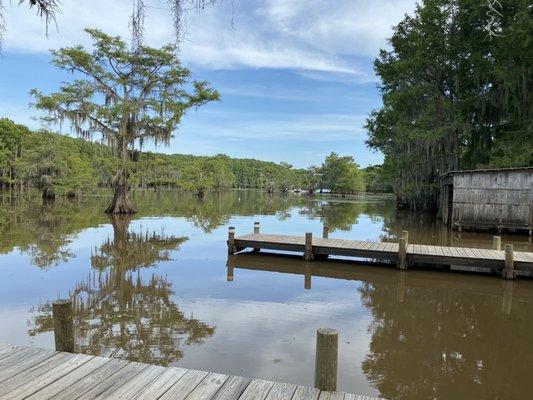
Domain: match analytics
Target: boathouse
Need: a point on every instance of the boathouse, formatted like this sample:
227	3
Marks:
500	199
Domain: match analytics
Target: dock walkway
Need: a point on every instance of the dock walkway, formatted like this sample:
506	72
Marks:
38	374
494	260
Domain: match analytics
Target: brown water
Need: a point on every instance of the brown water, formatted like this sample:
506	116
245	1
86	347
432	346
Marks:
158	287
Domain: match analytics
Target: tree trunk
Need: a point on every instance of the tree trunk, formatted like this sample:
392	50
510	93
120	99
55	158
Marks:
121	203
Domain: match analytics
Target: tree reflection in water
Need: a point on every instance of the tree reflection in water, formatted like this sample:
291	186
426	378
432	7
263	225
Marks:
446	341
119	312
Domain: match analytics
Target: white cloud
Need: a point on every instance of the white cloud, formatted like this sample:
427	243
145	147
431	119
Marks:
305	35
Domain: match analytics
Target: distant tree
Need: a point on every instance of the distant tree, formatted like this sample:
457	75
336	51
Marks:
129	97
378	178
11	144
342	174
54	167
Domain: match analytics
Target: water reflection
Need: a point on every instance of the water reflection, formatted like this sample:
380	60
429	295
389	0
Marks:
121	312
432	335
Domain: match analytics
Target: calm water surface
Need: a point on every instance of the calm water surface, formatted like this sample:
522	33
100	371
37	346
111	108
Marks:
159	288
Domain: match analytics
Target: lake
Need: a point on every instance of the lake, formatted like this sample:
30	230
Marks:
158	287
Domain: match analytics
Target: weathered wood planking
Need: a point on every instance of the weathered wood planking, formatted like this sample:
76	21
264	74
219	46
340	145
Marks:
388	252
27	373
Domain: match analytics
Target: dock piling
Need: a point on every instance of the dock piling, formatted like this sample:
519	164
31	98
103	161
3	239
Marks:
63	326
231	240
308	255
327	344
497	242
508	273
325	232
405	235
256	232
402	253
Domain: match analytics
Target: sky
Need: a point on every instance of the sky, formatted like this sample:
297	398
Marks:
295	76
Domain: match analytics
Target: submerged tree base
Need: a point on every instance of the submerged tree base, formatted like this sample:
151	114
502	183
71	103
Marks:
120	204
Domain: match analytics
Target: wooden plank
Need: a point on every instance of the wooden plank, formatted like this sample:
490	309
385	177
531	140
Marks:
23	385
258	389
161	384
331	396
53	388
306	393
20	364
8	351
182	388
281	391
18	354
208	387
232	388
133	386
107	386
88	382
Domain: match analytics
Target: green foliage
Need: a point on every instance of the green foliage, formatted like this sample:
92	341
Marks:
342	174
453	96
378	178
77	164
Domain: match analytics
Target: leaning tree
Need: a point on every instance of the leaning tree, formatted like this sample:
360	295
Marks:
127	96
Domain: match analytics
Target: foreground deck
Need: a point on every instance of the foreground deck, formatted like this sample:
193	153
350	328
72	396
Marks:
30	373
492	260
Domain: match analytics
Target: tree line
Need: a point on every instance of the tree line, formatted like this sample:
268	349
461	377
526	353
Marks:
67	166
456	86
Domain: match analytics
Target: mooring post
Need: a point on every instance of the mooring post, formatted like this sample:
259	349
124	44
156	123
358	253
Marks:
325	232
497	242
308	255
230	264
405	235
327	345
507	301
231	240
256	232
63	326
509	263
308	273
402	253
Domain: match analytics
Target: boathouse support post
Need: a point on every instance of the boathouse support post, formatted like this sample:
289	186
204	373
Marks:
63	325
405	235
257	229
231	240
327	346
509	273
402	253
497	242
325	232
308	273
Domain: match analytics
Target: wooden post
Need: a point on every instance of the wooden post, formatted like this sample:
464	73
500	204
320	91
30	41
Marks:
402	253
63	326
231	240
308	255
325	232
507	301
308	273
256	232
497	242
230	265
327	344
508	273
400	287
405	235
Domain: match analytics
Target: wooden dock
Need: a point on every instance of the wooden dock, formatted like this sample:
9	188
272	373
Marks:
506	263
37	374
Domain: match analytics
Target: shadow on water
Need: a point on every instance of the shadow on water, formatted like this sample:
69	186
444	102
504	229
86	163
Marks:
121	312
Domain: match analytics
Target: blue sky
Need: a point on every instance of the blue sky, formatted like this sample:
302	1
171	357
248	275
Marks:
295	76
